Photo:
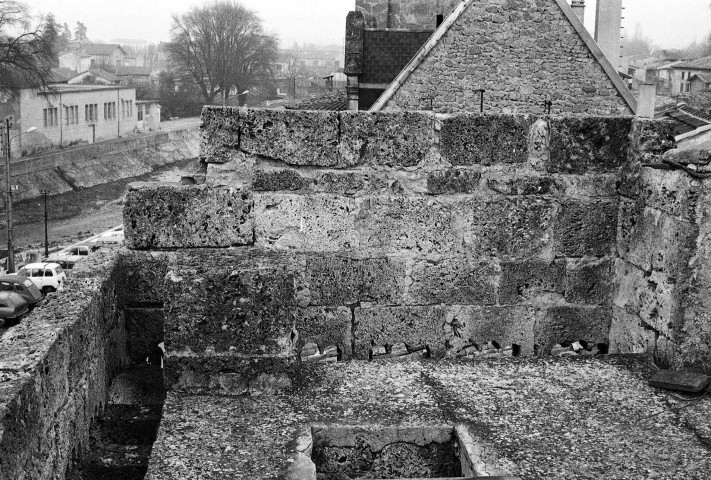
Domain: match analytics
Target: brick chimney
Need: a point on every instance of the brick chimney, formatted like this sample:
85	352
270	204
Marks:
608	29
578	7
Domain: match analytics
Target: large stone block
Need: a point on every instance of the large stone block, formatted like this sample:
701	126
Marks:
326	326
651	139
144	331
349	183
411	224
629	334
165	216
510	227
589	144
589	282
294	137
570	323
454	181
393	139
236	172
282	179
143	278
334	281
231	301
485	139
466	325
521	184
586	228
458	281
522	281
652	296
220	133
653	240
315	222
414	326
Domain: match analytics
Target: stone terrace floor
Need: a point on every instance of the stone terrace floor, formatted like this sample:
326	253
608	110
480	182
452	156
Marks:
546	418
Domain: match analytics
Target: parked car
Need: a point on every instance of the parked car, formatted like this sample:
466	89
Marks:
73	254
12	307
48	277
22	286
113	236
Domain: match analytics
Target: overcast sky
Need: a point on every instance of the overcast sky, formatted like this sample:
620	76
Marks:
669	23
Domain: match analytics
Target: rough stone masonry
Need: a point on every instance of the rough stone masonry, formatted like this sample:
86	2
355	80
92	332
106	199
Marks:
359	230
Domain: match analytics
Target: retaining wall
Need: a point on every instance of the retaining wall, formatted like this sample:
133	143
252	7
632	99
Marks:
71	169
362	230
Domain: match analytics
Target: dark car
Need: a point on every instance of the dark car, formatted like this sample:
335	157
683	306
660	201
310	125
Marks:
12	307
22	286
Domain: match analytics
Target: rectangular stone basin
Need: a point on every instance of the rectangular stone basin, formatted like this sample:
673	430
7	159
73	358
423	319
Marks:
340	452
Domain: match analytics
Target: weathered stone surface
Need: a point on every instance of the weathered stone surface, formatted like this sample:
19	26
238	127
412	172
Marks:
453	281
453	182
334	280
228	375
414	326
521	184
590	185
413	224
230	301
294	137
275	180
673	192
522	281
220	133
315	222
350	183
653	240
586	228
569	323
589	282
401	138
653	296
651	139
485	139
144	331
629	334
174	216
588	144
466	325
325	326
143	278
236	172
510	227
539	139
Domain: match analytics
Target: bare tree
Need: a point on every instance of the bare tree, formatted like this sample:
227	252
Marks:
221	45
26	48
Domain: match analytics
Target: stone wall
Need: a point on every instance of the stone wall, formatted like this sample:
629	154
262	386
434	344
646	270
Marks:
55	369
522	52
361	230
663	298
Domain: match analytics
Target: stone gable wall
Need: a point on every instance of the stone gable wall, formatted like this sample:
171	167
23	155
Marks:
522	52
359	231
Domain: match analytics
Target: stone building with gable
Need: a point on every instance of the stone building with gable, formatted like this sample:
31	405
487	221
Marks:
441	54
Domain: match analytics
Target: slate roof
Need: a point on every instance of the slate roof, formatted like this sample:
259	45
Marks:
687	119
62	75
387	52
698	64
704	78
337	101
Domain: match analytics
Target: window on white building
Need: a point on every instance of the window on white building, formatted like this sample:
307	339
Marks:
91	113
51	117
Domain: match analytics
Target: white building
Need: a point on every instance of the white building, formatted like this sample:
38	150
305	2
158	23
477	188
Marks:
66	114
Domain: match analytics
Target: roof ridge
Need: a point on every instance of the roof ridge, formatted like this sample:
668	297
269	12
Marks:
452	18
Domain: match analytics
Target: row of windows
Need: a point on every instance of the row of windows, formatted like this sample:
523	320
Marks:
91	113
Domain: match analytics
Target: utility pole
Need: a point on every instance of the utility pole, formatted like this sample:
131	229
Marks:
8	198
46	233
